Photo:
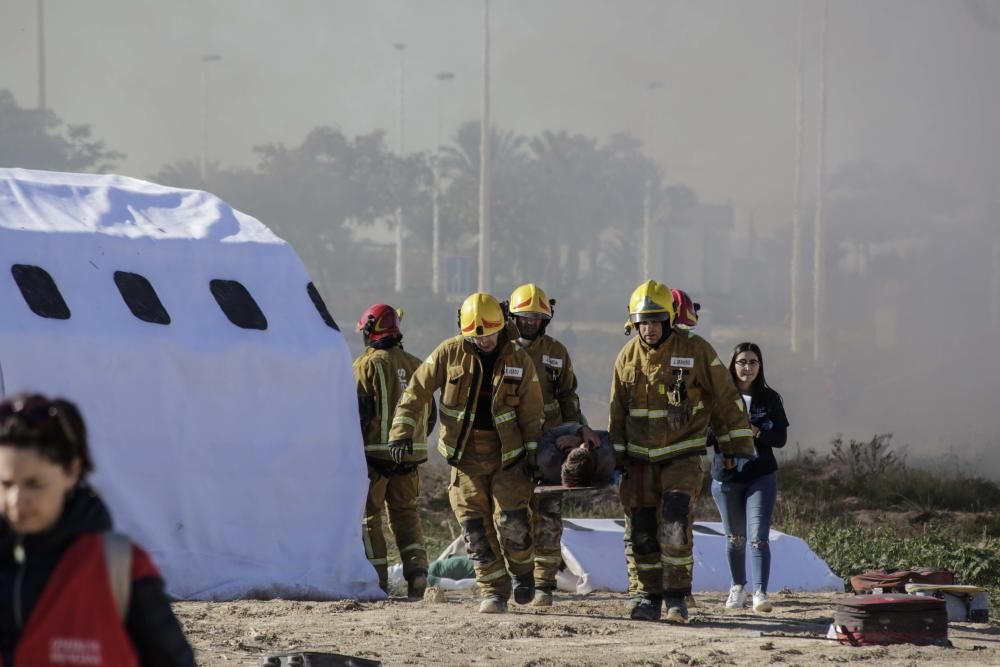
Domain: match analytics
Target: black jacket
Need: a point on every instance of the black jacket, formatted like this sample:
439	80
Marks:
766	406
150	623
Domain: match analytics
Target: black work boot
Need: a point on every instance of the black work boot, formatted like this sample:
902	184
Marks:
645	608
524	588
677	611
416	584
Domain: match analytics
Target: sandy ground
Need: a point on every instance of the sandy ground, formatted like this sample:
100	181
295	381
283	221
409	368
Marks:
577	630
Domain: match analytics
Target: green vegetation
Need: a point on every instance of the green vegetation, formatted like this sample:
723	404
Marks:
860	507
863	506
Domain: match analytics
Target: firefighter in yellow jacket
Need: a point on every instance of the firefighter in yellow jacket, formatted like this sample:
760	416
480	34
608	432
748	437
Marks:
381	375
668	385
531	311
491	418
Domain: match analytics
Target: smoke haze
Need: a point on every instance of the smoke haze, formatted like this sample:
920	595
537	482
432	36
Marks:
912	146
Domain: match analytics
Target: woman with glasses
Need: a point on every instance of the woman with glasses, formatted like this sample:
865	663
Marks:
745	489
71	591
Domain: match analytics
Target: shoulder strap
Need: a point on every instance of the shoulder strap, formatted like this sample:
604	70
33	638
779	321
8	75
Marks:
118	556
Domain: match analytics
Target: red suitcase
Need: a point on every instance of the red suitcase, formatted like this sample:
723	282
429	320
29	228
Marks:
862	620
894	581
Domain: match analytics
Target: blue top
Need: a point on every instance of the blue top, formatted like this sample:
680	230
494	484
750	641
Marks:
768	414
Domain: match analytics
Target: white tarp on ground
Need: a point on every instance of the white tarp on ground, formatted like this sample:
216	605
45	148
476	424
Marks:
233	455
594	553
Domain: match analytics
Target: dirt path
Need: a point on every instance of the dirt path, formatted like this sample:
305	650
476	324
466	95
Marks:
577	630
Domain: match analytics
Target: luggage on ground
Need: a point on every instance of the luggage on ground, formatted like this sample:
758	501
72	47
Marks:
863	620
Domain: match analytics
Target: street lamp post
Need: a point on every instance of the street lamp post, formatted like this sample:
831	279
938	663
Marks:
41	55
203	161
436	199
818	258
647	197
484	161
400	279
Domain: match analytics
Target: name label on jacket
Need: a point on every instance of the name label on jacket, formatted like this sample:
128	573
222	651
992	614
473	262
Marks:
513	372
553	362
682	362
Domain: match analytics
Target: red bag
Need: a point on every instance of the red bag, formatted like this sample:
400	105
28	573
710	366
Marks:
894	581
863	620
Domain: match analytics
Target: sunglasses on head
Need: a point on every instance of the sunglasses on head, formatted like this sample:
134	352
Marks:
38	415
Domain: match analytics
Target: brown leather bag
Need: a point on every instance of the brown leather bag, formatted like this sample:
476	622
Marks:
894	581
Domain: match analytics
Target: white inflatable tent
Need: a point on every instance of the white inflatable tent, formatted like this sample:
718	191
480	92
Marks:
594	553
216	386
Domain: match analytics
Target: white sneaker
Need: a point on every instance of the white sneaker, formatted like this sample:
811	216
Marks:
737	597
761	603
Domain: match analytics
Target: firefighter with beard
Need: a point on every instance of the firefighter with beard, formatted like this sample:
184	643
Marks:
668	385
381	374
686	317
491	419
531	311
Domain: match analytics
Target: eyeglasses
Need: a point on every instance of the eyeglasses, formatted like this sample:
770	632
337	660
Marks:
747	363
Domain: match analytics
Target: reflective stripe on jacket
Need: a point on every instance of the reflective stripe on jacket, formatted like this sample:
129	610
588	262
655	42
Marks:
644	421
454	369
383	375
556	379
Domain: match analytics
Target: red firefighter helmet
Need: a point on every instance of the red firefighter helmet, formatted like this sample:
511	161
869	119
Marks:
380	321
687	309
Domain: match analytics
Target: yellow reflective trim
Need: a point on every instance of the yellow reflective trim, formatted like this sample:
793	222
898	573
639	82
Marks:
445	450
740	404
384	400
618	447
384	447
526	561
412	547
551	407
717	362
378	561
741	433
455	414
643	413
660	452
505	417
696	408
531	446
682	561
492	575
401	419
724	438
548	559
512	454
648	566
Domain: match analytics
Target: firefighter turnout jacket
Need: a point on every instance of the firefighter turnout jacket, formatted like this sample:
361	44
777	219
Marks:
663	399
381	376
455	368
556	379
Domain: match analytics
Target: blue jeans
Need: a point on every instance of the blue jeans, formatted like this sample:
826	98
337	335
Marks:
746	509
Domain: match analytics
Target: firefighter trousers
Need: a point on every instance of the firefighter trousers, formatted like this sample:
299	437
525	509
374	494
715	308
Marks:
659	500
491	504
546	520
398	494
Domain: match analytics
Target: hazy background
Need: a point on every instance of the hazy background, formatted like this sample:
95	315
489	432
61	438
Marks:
911	241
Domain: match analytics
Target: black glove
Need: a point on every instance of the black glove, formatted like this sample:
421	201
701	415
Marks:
399	448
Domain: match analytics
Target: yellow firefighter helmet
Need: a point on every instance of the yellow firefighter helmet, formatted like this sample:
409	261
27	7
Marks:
480	315
528	299
650	301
